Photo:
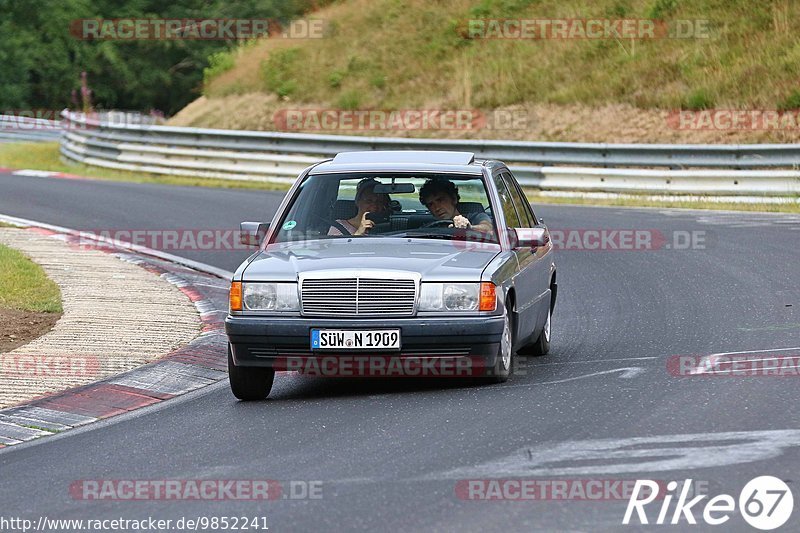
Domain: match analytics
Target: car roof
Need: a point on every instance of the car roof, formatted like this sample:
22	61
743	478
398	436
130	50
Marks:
402	161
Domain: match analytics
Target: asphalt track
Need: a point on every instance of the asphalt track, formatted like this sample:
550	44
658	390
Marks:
389	453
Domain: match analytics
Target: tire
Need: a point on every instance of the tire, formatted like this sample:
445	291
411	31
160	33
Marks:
249	383
542	345
504	362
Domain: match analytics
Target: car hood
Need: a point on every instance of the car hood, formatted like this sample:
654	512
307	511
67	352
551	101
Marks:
435	260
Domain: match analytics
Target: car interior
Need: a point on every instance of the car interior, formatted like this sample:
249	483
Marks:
399	219
322	200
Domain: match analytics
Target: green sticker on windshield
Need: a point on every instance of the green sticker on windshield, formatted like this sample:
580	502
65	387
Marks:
289	224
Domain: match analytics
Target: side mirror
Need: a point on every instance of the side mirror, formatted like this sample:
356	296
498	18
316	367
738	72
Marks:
529	237
252	233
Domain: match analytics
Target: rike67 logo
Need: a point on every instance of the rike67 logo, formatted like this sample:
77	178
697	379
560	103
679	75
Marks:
765	503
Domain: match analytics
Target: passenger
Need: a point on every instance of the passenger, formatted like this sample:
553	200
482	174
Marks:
441	197
367	201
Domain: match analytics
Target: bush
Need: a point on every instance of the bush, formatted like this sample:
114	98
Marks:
698	99
335	79
279	69
790	102
378	80
217	64
618	10
349	100
500	8
662	9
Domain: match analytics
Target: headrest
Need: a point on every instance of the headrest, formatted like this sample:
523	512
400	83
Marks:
470	207
344	209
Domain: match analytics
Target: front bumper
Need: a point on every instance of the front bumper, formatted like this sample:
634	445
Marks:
269	341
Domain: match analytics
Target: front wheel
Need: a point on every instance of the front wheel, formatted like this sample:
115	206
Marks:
505	355
249	383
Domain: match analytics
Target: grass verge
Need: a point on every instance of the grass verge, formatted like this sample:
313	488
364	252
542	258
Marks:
24	285
45	156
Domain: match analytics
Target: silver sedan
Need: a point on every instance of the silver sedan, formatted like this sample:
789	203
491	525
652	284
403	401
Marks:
392	263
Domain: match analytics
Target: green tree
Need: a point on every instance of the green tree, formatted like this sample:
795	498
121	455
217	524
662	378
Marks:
41	61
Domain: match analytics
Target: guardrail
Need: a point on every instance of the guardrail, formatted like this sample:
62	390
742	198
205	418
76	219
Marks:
21	128
273	156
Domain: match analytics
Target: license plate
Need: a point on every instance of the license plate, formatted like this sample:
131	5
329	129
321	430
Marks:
350	339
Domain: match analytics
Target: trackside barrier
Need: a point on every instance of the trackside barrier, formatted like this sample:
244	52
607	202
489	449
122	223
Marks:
277	156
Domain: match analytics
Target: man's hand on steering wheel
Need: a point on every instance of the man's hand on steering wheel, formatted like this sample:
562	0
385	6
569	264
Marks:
461	222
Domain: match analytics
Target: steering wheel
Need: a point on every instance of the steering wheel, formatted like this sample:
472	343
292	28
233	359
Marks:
442	222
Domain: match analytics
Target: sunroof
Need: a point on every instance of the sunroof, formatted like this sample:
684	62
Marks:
405	156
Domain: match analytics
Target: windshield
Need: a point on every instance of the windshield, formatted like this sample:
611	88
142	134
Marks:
424	206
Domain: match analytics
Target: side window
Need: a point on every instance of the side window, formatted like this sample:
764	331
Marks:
520	202
346	190
509	211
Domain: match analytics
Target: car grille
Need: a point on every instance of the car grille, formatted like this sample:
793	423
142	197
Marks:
358	297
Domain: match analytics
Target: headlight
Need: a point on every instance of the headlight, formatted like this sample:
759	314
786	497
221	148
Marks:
270	297
457	297
449	296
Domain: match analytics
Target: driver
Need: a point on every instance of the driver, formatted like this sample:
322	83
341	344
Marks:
367	201
440	196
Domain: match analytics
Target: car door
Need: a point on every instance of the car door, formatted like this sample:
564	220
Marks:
525	206
534	268
524	290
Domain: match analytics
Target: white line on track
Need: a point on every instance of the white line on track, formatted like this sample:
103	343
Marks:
627	373
596	361
755	351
